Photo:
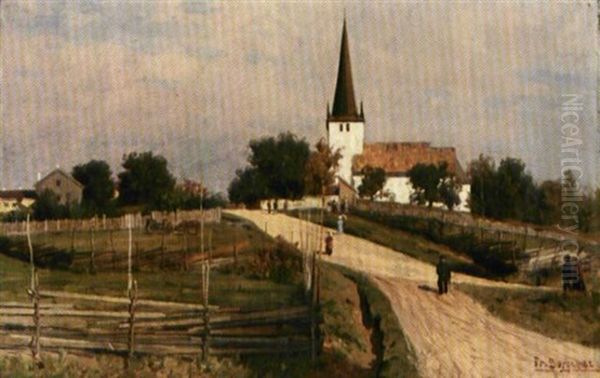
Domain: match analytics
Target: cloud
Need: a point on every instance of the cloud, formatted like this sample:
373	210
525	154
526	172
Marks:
195	81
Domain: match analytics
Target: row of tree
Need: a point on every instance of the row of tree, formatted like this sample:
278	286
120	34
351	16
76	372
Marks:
507	191
145	183
284	167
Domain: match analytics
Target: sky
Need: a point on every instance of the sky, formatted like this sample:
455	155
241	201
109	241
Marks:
195	81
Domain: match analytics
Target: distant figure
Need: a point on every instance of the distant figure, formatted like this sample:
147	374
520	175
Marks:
275	206
343	207
443	272
570	274
329	243
269	207
580	283
340	224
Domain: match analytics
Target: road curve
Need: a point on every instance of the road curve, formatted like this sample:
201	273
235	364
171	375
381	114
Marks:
452	335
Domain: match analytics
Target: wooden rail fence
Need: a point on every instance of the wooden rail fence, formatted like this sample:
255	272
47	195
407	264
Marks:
133	326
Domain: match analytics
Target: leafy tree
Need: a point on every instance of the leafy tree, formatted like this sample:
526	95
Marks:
277	169
484	191
146	179
248	187
426	180
449	190
372	182
516	191
549	202
98	187
320	168
281	162
47	206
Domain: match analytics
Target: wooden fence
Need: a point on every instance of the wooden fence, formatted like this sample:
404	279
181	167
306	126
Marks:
104	223
133	326
469	221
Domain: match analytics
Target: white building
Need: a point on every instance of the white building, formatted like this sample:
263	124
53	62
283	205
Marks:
346	131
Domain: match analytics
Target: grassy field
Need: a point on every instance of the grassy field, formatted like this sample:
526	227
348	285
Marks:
352	325
571	317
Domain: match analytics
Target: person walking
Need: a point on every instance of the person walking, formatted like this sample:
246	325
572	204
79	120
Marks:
569	273
329	244
340	224
443	273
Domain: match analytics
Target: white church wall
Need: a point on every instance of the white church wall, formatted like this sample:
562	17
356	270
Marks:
401	189
349	138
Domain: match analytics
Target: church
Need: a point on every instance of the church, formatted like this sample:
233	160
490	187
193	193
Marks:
346	131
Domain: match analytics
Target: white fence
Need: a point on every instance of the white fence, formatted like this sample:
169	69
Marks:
104	223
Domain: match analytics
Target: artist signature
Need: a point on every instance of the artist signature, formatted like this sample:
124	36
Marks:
564	366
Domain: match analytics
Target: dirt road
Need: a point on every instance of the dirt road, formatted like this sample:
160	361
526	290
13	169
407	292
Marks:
452	335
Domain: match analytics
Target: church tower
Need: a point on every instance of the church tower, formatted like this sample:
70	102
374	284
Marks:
345	125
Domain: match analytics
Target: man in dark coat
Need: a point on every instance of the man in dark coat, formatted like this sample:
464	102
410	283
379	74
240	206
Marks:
443	272
329	244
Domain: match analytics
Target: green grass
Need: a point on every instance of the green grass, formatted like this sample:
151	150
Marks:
571	317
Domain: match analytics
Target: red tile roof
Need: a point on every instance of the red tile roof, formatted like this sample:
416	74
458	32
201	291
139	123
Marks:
398	158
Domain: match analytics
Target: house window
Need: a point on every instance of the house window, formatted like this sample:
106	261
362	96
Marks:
57	182
341	127
347	127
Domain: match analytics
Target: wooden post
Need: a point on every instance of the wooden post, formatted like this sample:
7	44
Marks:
33	293
31	259
112	247
92	252
210	245
136	258
235	255
162	249
129	251
132	308
35	339
206	318
185	251
73	239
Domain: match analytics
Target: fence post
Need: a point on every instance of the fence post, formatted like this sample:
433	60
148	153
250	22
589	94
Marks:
132	308
185	251
129	251
112	247
92	252
35	339
206	317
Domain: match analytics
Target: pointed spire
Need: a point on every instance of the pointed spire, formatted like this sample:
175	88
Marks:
344	103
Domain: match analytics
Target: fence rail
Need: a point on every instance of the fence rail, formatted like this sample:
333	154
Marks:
139	221
161	328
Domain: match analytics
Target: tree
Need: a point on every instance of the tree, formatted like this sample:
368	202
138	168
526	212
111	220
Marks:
320	168
449	190
277	169
281	162
146	179
372	182
549	202
516	191
426	180
248	187
47	207
484	191
98	187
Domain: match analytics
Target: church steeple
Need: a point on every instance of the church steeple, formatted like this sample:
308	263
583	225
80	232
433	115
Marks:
344	103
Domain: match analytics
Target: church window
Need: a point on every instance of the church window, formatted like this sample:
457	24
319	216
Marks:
347	127
341	127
